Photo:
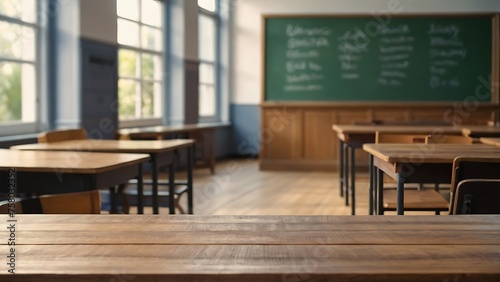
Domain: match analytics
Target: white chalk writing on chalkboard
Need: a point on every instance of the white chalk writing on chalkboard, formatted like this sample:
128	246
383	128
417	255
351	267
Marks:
395	49
303	64
446	52
352	44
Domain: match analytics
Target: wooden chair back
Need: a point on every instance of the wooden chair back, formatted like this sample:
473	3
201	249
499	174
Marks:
472	168
399	138
62	135
88	202
477	196
449	139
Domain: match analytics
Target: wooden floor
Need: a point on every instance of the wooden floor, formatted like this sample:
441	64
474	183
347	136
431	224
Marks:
239	188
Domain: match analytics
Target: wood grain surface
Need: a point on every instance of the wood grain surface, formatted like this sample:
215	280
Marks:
429	153
71	162
117	146
255	248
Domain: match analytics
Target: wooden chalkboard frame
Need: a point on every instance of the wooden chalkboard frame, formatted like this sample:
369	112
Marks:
495	58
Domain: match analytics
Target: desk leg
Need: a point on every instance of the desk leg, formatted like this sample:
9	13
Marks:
140	192
212	151
171	188
190	178
353	182
346	173
154	175
380	191
401	194
370	191
341	167
112	200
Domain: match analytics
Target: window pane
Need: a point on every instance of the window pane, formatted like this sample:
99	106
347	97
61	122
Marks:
20	9
151	38
147	107
207	73
151	67
206	46
207	5
207	100
10	92
128	33
151	12
128	9
17	41
28	90
127	63
126	98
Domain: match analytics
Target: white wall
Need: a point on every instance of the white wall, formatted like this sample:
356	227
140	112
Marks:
98	20
247	76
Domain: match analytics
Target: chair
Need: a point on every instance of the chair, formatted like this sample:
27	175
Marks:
62	135
477	196
472	168
423	199
88	202
449	139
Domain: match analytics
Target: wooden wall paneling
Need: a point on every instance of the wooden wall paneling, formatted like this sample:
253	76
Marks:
349	116
390	115
282	134
296	136
319	138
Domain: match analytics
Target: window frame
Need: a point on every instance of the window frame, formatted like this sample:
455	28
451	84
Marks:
19	127
215	64
139	78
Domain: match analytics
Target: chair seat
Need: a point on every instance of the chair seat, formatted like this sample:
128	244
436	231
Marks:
163	194
417	200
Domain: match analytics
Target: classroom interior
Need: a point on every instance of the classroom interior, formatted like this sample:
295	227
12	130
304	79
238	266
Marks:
249	140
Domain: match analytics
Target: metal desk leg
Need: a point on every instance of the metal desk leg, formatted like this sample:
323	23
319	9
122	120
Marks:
341	167
401	194
171	188
353	183
380	193
190	178
112	200
140	192
154	175
370	193
212	151
346	173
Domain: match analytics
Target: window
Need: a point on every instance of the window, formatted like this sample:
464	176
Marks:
140	60
207	52
18	66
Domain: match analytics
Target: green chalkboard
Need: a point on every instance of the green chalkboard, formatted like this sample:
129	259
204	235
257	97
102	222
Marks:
365	58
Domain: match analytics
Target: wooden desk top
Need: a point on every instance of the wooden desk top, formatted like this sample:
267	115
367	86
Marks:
481	131
168	129
429	153
118	146
490	141
403	129
64	162
255	248
366	133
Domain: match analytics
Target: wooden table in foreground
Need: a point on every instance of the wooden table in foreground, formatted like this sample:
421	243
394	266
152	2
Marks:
419	163
161	154
352	137
65	172
159	133
147	248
